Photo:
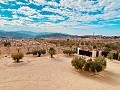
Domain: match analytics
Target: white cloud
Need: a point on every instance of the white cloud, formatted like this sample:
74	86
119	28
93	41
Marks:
37	2
26	11
71	9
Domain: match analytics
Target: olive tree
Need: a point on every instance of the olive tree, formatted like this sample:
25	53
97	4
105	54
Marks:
17	56
51	51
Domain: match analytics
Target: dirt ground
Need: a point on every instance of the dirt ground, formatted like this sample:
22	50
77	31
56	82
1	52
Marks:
45	73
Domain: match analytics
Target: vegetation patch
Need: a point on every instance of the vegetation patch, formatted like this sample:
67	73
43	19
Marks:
38	52
69	52
96	65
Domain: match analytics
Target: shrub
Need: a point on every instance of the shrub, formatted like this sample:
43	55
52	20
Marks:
78	62
87	65
38	52
102	60
17	56
6	44
96	66
110	55
29	53
69	52
34	52
41	52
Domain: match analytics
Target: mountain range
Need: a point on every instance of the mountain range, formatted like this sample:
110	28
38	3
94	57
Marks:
31	34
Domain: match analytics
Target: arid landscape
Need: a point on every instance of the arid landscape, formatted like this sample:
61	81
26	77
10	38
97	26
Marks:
46	73
59	44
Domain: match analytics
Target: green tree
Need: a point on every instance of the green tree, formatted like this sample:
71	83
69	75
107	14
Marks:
51	51
17	56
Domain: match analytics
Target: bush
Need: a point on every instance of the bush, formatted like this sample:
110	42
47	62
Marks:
110	55
102	60
34	52
78	62
96	66
41	52
29	53
87	65
6	44
17	56
69	52
38	52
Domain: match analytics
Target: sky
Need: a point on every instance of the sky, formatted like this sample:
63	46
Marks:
80	17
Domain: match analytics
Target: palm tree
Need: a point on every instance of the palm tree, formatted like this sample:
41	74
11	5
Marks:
52	51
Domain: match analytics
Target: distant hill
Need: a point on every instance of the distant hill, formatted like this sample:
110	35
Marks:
14	34
55	35
30	34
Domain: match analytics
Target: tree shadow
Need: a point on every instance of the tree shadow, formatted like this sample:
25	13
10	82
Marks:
69	56
56	59
21	63
106	77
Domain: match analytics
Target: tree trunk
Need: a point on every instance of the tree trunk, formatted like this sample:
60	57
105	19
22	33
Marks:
39	55
18	51
17	60
51	56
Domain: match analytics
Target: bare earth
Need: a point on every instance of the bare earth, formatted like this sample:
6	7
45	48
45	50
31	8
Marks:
44	73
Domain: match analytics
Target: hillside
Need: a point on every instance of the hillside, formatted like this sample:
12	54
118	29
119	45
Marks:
31	34
13	34
55	35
